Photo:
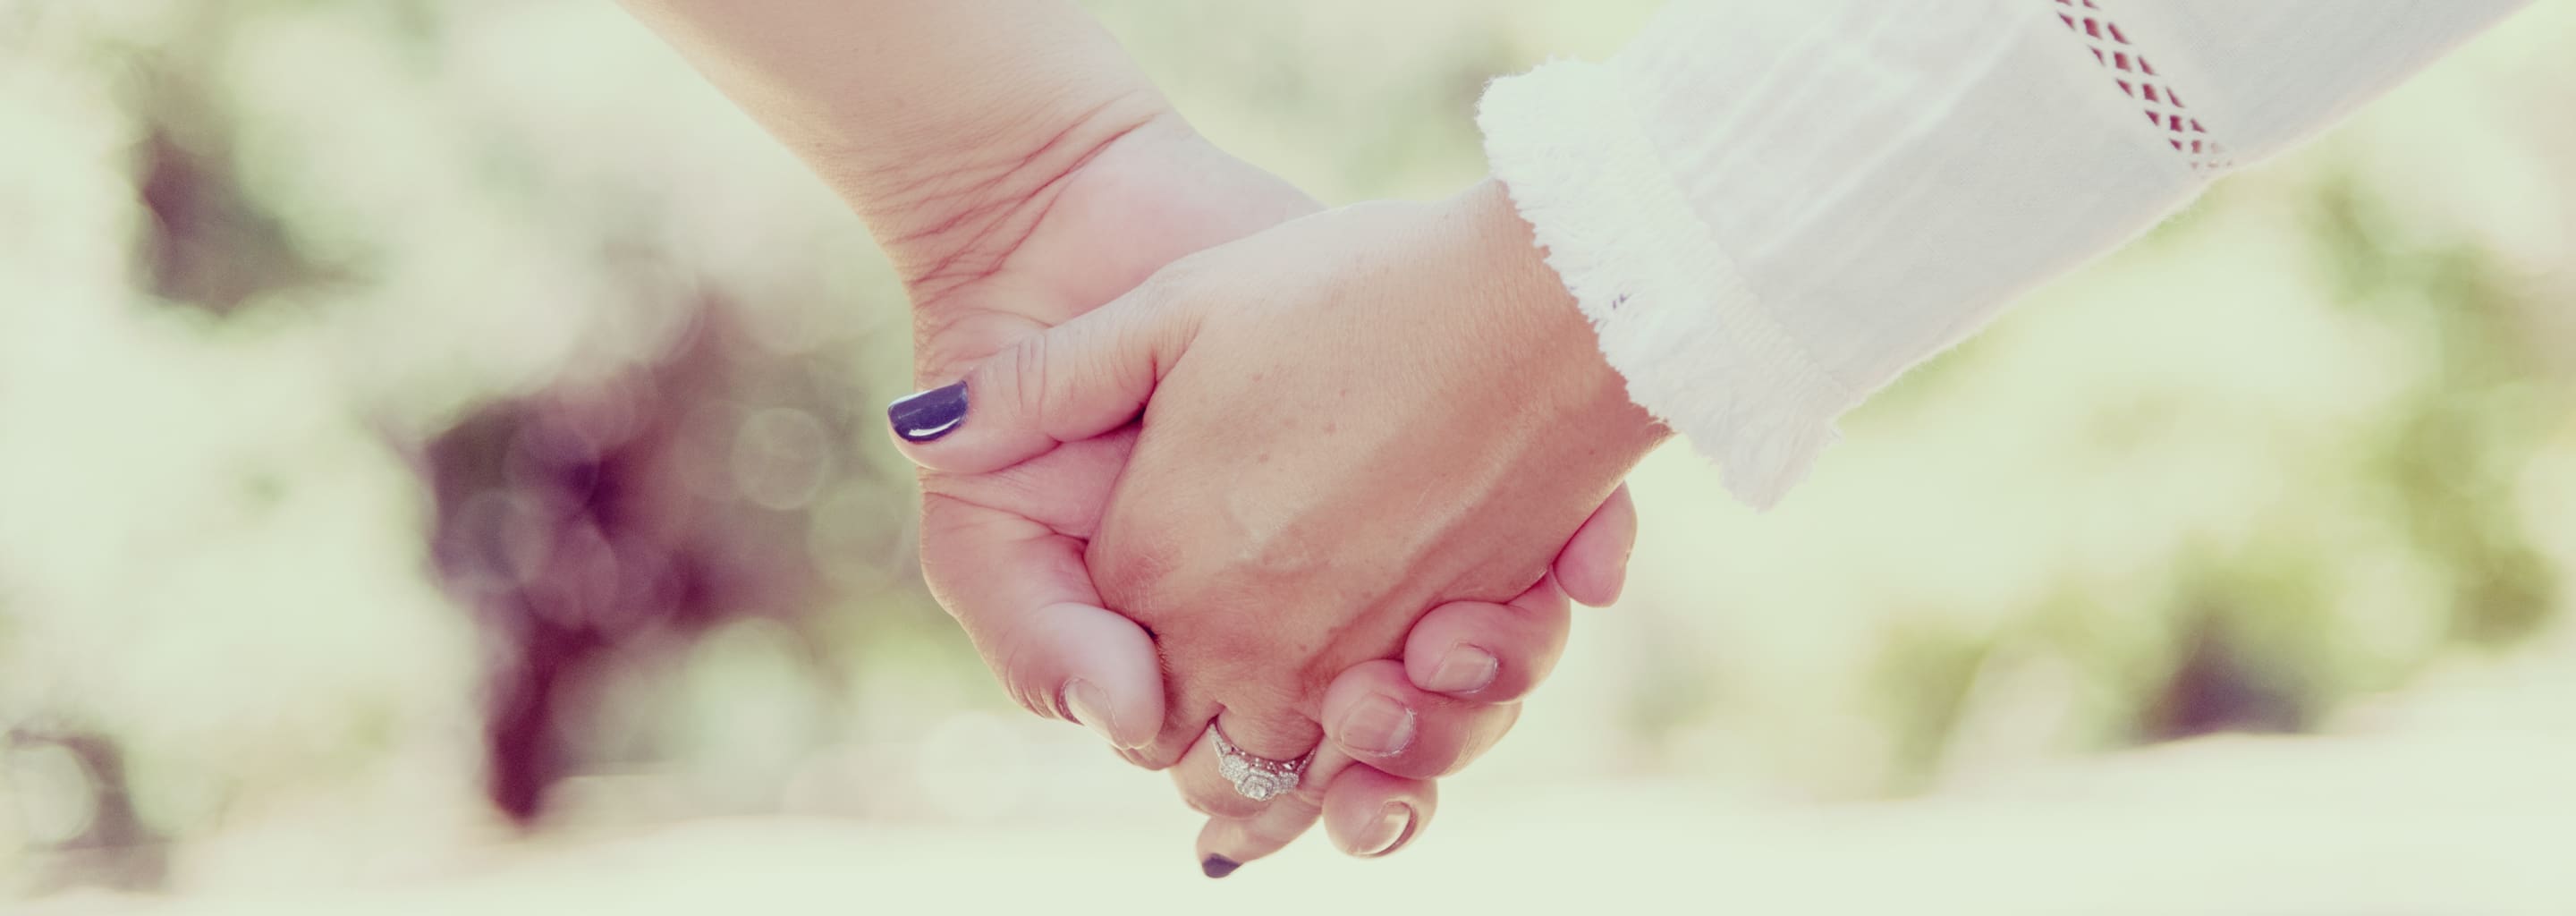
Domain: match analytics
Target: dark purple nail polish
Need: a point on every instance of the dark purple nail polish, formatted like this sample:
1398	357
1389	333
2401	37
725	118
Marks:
1219	866
926	416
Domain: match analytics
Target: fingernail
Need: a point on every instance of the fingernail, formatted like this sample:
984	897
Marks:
1086	703
1379	726
1219	866
1466	669
1394	826
928	415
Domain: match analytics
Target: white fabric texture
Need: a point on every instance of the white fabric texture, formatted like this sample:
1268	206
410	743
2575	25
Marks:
1770	210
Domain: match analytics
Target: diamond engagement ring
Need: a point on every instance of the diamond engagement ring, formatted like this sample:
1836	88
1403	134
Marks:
1257	778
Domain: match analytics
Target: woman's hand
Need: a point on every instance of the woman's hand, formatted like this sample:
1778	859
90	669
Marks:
1353	417
1019	172
1004	551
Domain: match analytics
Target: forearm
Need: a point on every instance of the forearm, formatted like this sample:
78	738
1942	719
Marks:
945	124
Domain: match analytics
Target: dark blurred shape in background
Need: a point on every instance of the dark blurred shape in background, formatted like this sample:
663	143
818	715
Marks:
580	523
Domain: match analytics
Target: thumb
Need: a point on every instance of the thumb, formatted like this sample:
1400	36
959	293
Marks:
1026	600
1090	665
1075	381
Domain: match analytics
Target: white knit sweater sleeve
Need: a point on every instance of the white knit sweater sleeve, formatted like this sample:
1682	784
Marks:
1771	209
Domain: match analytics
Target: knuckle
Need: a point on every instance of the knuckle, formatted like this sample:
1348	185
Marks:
1129	568
1172	281
1164	298
1027	366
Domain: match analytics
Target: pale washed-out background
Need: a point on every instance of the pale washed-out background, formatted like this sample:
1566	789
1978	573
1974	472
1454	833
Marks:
324	328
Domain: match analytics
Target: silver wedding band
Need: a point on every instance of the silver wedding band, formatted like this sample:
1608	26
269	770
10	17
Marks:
1258	778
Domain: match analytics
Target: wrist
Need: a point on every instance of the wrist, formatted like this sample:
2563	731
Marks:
950	217
935	121
1546	333
977	284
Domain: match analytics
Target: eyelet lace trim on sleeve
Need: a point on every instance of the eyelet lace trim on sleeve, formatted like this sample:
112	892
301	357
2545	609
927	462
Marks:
2102	35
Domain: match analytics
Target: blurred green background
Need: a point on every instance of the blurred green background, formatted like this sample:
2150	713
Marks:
438	433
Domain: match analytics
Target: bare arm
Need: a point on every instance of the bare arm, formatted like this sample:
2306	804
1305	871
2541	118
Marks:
949	126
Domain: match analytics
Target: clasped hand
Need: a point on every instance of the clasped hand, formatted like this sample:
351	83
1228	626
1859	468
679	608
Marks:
1352	446
1303	487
